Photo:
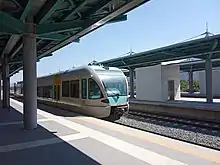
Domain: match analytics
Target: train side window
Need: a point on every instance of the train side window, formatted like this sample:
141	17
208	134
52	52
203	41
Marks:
94	90
38	91
84	88
74	88
65	89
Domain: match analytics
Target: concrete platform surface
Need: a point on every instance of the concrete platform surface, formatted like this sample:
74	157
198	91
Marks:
69	138
197	103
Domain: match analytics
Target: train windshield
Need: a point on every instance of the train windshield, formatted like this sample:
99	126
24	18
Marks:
115	85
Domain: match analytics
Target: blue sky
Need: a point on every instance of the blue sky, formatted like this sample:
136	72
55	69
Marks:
156	23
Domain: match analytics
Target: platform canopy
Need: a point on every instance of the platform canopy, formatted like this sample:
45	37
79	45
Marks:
199	48
198	65
57	22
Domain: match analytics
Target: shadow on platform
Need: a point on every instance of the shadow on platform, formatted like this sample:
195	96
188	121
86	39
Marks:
39	146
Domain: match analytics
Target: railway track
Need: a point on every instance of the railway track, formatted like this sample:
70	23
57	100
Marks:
179	120
196	132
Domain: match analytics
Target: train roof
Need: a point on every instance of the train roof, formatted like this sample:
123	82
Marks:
79	68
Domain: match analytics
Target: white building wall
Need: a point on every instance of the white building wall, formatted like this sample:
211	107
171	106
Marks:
152	82
202	84
148	83
215	82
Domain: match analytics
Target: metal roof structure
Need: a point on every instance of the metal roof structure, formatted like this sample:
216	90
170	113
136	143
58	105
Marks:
198	48
198	65
57	23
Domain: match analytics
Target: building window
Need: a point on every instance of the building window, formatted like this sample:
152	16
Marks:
94	90
65	89
74	88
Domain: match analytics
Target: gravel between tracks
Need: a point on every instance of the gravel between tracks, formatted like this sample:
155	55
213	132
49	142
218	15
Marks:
201	136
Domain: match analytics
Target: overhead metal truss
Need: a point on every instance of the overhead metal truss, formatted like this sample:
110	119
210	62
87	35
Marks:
198	65
58	23
200	48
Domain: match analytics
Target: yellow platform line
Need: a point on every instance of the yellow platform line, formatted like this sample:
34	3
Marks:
145	136
156	139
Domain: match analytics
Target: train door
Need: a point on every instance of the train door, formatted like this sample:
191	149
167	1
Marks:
56	89
57	92
84	92
54	92
171	90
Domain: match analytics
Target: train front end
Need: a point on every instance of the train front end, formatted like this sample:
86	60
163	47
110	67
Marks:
116	90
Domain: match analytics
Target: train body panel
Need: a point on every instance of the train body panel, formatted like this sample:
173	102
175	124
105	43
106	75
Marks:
95	90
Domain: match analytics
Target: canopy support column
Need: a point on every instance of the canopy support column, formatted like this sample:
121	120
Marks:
6	83
131	83
190	81
29	76
208	74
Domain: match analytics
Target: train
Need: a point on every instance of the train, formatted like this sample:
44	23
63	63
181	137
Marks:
95	90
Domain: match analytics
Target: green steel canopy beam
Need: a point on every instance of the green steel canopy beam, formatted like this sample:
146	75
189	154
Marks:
11	22
47	55
76	40
26	10
128	5
19	61
119	9
48	9
16	48
7	30
102	4
13	39
68	14
42	16
119	18
56	37
51	28
14	62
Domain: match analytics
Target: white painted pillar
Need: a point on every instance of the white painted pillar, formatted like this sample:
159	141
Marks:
29	76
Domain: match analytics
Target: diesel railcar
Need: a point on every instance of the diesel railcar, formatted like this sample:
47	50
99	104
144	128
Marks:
97	91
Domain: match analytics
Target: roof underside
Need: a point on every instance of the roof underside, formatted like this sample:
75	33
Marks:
198	66
199	48
58	23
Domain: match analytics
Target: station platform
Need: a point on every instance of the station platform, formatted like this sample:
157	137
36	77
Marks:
197	103
198	95
64	137
192	108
